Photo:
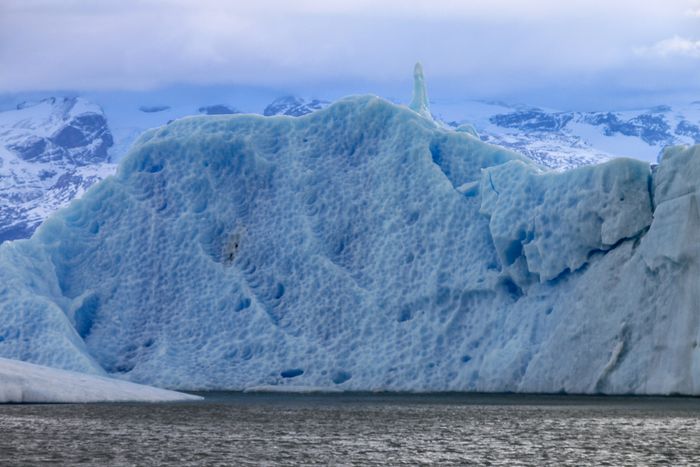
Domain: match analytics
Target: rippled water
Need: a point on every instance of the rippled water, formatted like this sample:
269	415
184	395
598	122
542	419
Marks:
234	428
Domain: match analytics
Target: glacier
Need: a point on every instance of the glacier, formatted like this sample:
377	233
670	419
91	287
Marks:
363	247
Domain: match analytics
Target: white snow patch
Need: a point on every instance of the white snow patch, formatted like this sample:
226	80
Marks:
22	382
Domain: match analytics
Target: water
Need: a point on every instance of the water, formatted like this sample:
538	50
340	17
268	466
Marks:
236	429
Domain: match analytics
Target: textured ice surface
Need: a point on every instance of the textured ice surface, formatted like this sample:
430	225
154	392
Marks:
552	222
25	382
362	247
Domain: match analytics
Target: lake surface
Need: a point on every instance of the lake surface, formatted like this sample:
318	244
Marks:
235	429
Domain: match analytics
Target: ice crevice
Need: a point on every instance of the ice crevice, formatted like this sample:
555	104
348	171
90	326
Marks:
615	357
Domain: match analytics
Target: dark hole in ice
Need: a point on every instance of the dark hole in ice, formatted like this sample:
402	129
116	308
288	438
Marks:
405	315
247	353
243	304
291	373
340	376
85	315
279	291
513	252
124	368
412	217
155	168
511	288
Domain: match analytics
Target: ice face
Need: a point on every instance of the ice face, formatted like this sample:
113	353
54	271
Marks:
359	247
550	223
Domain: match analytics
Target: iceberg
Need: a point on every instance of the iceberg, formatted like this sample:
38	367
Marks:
363	247
22	382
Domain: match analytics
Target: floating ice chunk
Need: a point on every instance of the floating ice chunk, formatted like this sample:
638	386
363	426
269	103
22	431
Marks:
25	382
420	103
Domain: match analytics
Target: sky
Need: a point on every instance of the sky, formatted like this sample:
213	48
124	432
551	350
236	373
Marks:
574	53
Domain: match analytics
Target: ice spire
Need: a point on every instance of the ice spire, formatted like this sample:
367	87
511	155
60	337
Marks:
420	94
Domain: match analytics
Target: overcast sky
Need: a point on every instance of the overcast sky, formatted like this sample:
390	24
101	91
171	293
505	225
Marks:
470	48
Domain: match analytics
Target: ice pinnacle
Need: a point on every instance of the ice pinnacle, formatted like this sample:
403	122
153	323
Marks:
419	103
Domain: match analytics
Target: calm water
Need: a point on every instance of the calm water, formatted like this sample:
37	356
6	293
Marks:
232	428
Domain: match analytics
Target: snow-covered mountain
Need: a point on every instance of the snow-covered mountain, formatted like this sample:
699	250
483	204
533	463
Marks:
53	149
564	140
50	152
293	106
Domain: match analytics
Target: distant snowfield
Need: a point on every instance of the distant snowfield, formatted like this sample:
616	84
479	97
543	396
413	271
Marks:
22	382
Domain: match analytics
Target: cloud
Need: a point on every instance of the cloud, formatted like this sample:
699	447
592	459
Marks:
675	46
477	46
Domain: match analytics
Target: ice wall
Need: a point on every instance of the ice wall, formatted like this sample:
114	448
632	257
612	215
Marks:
363	247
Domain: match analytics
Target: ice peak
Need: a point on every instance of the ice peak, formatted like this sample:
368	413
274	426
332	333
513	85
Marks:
420	94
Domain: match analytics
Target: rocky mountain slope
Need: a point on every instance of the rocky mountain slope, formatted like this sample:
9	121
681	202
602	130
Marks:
564	140
293	106
51	151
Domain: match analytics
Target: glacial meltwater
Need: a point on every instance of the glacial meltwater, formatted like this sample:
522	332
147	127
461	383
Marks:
235	429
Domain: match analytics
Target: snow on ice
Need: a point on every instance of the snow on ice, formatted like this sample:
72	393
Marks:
22	382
